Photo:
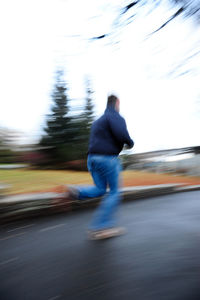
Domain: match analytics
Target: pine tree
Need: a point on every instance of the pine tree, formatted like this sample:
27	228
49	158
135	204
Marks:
84	122
88	111
66	137
58	131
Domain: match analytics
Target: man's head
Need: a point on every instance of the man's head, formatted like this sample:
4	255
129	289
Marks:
113	102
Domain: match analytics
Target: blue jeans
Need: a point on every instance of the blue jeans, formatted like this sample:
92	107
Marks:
105	171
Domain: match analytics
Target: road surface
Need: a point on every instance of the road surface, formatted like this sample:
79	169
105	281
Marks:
157	259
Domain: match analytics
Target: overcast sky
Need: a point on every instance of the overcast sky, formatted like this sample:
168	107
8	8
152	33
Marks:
159	96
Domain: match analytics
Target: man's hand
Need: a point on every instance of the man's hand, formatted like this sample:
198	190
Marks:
127	147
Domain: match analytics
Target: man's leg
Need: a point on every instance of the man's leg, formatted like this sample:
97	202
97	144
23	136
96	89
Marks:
99	179
105	215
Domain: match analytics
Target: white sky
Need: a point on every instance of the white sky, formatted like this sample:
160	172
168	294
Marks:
161	109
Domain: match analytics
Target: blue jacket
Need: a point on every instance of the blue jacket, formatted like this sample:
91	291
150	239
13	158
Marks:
109	134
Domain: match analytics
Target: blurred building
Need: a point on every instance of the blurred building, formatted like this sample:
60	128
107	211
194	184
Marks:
183	161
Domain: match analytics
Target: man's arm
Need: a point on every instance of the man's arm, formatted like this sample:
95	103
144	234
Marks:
119	130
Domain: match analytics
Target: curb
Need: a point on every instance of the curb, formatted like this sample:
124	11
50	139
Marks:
13	208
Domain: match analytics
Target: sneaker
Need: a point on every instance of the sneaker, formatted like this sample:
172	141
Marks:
73	192
105	233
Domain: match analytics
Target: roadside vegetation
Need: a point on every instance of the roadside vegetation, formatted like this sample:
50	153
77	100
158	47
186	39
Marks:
32	181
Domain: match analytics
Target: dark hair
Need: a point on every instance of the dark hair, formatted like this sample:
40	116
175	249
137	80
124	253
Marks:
112	99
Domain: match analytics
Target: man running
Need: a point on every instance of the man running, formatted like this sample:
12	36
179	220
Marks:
107	138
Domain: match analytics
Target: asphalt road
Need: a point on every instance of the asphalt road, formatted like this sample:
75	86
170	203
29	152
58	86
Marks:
157	259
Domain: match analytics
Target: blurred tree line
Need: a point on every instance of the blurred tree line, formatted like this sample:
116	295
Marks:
66	134
8	151
7	155
64	144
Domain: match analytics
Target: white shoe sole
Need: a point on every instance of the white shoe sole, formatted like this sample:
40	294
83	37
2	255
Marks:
106	233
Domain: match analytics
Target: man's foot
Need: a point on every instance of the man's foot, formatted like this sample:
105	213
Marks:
68	195
106	233
72	193
62	202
